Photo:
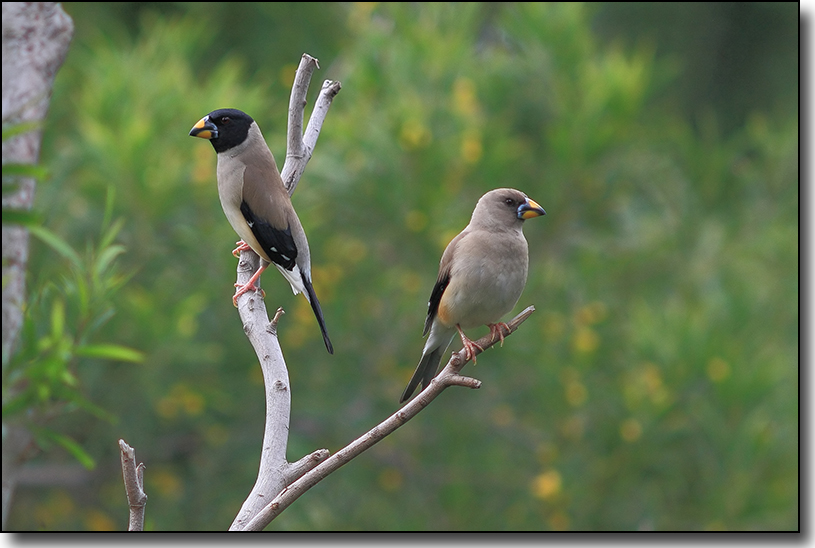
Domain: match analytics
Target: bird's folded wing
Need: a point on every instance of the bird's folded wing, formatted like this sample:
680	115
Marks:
265	208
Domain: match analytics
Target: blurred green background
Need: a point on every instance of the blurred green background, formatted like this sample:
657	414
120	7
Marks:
655	388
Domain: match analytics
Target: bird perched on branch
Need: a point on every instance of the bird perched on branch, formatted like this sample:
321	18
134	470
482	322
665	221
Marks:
257	204
482	274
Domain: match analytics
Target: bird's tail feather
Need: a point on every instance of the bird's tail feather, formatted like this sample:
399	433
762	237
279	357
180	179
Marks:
425	371
318	313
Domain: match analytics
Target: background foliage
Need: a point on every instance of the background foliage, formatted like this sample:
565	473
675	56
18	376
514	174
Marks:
655	388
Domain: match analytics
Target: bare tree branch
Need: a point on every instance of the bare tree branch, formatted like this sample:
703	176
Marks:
275	471
133	475
449	376
299	147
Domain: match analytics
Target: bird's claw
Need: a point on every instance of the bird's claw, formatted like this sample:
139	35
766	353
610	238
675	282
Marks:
495	331
245	288
469	346
469	350
242	246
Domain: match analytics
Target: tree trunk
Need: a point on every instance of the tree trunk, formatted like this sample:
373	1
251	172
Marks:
36	37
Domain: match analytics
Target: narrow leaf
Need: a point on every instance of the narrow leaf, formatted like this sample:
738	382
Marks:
12	130
110	234
110	352
57	244
24	170
69	444
21	217
106	257
57	319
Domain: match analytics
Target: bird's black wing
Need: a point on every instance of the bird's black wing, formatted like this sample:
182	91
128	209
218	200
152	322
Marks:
435	299
278	244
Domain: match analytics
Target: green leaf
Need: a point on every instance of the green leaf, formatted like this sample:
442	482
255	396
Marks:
57	244
110	352
43	392
13	130
21	217
24	170
46	435
111	233
106	257
57	319
69	379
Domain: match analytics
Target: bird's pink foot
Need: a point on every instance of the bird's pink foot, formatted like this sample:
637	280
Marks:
469	346
495	331
242	246
245	289
250	285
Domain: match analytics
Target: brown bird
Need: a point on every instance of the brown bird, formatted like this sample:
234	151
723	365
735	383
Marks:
257	205
482	274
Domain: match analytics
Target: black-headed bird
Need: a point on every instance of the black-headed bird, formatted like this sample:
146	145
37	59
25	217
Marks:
257	205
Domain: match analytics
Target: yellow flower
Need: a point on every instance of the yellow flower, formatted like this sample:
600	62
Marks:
591	313
546	485
585	340
414	135
465	100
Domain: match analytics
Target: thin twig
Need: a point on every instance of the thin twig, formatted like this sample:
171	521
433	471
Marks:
133	475
300	147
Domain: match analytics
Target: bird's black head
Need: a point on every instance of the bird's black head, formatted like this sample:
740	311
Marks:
225	128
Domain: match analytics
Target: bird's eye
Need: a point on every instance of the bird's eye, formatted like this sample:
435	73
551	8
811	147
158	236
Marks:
510	202
225	120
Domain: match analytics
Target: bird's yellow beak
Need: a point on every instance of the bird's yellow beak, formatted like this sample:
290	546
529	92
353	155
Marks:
204	129
530	209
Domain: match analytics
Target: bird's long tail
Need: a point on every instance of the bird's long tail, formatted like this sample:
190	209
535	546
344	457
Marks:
425	371
318	313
